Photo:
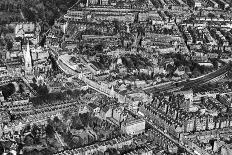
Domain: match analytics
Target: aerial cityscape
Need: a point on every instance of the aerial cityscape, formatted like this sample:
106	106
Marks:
116	77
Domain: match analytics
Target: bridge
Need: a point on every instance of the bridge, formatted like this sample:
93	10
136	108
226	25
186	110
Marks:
91	83
192	83
104	90
94	85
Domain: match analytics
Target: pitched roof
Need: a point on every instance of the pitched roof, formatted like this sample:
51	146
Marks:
92	105
105	108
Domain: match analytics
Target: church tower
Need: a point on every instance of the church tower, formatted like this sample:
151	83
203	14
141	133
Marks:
87	3
27	59
112	92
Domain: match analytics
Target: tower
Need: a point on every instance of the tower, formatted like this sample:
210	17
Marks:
27	59
87	3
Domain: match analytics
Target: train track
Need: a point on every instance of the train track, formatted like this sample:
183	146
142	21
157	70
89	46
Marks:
192	83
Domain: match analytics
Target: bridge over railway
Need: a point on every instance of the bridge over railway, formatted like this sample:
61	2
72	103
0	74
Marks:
191	83
104	90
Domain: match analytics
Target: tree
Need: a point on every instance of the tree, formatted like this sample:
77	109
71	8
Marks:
29	140
111	151
84	118
56	119
99	47
9	45
35	130
1	149
58	125
66	115
21	88
116	25
60	96
76	141
8	90
77	123
211	15
26	129
76	93
69	92
43	41
196	72
49	130
34	80
67	137
33	152
46	151
43	90
28	14
38	100
165	31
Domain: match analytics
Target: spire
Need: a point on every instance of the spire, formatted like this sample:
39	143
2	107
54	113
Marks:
27	58
112	92
87	3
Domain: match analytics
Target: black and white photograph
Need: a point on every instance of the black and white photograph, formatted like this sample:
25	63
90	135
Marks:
115	77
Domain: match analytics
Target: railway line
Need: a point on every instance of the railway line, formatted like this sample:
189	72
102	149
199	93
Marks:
191	83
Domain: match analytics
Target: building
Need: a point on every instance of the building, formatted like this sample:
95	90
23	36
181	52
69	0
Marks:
94	108
74	15
3	69
197	3
119	115
25	29
106	112
188	95
83	109
189	124
100	148
134	126
55	87
145	150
